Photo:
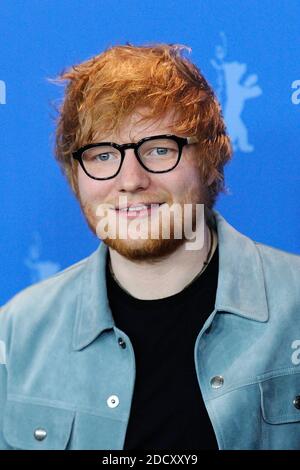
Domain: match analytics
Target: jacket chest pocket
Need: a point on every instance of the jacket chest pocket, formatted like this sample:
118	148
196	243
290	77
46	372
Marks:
29	426
280	399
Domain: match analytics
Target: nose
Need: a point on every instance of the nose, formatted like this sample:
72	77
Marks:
132	176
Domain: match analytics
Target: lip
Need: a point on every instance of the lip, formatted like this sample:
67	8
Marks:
138	204
154	206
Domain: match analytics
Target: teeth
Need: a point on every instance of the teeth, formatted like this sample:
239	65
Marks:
139	208
134	208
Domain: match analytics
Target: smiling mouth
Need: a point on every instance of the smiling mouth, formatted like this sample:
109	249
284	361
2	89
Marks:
138	209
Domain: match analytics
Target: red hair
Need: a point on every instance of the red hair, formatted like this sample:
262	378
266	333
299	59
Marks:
105	89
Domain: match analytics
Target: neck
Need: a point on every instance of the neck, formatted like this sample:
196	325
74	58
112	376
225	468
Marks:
148	281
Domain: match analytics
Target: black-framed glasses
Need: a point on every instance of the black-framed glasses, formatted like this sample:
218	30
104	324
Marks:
156	154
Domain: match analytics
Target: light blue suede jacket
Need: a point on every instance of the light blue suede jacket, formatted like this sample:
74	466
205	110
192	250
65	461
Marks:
67	373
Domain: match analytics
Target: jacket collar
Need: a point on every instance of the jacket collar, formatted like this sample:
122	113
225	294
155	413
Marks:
93	314
241	284
240	290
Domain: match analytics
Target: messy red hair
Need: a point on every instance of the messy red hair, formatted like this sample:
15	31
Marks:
105	89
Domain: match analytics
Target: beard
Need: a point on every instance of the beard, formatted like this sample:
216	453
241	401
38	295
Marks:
150	248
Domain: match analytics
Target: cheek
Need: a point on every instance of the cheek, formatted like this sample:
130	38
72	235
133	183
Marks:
90	190
186	181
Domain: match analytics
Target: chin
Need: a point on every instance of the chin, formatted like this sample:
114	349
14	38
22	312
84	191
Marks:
142	250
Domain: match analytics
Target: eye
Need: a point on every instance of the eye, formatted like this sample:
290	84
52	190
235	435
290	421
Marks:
161	150
93	155
102	157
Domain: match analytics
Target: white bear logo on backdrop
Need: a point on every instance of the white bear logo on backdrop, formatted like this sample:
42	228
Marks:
39	269
2	92
236	93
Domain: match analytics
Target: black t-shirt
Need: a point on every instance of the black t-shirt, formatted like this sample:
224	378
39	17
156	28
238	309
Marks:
167	409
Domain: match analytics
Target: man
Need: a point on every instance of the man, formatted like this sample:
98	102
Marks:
178	332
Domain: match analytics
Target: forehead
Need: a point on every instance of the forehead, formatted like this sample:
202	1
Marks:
137	125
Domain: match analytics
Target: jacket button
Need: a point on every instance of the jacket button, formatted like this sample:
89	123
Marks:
217	381
122	343
40	434
296	402
112	401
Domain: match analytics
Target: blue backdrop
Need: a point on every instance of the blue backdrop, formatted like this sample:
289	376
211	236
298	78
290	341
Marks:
247	49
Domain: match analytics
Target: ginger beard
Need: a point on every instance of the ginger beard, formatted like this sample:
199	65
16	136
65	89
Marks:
149	248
